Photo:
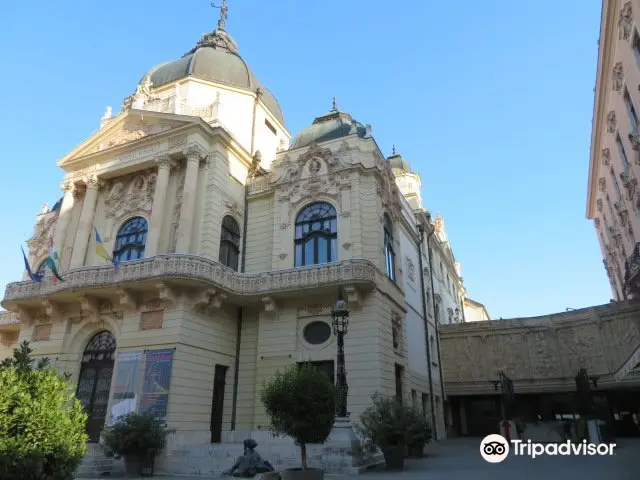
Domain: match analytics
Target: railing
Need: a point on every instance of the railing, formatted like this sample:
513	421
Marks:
193	267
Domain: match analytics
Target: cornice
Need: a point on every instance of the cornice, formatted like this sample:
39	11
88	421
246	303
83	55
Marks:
608	28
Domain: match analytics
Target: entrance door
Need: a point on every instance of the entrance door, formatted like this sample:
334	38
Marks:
94	381
217	402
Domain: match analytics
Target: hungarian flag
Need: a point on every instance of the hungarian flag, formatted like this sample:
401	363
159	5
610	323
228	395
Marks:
53	262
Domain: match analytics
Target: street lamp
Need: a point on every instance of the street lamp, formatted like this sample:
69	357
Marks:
340	324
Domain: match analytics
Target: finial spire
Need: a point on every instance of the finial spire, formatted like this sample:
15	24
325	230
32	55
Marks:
393	151
223	14
334	108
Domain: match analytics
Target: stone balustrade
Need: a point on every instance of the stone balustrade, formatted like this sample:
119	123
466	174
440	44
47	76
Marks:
196	268
8	319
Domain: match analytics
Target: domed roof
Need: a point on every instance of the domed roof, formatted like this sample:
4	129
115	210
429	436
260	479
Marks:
399	163
215	58
333	125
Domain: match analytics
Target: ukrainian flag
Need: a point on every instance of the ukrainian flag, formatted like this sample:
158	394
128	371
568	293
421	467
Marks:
101	251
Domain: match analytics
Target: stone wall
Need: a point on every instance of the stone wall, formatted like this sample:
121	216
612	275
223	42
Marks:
540	353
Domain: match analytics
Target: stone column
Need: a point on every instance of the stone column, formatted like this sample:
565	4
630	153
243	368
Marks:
64	217
81	242
195	154
158	208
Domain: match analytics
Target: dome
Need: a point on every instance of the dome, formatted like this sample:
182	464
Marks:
330	126
215	58
399	163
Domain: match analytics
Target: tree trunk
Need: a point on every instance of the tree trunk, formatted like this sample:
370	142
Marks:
303	455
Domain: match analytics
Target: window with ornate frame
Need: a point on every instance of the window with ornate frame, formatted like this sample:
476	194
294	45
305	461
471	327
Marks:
316	235
389	253
131	240
229	243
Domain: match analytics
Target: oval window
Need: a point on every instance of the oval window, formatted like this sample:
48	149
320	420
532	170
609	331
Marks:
316	333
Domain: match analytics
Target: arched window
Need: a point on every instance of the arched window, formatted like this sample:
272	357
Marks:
229	243
389	254
316	235
130	240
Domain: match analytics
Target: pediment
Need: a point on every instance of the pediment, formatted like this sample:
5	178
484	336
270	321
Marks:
130	126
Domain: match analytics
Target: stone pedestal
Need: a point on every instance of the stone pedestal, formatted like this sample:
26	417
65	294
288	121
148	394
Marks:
343	449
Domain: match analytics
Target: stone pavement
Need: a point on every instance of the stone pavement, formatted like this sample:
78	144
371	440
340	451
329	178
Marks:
459	459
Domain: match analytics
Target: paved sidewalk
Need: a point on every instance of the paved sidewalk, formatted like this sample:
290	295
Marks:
459	459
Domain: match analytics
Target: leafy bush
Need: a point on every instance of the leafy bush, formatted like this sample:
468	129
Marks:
42	424
389	423
133	434
300	404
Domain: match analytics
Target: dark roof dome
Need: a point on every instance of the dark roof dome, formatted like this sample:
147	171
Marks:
215	58
333	125
399	163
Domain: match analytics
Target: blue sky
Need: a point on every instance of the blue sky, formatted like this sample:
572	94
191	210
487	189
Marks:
491	102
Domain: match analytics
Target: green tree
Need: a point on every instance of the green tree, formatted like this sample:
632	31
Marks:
300	403
42	424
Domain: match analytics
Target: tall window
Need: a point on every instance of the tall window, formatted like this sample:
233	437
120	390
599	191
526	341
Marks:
636	47
621	152
316	235
389	254
631	111
229	243
131	240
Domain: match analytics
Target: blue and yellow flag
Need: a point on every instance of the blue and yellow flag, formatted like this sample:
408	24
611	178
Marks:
36	277
101	251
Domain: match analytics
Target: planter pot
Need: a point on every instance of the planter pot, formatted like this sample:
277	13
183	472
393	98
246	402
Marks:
416	451
300	474
140	465
394	457
132	465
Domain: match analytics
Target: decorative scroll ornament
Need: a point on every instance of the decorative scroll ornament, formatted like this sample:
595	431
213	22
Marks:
618	77
600	205
611	121
625	21
634	138
623	213
596	222
606	157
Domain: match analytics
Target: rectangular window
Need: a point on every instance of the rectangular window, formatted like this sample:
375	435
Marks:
399	375
325	366
622	152
270	127
636	47
631	111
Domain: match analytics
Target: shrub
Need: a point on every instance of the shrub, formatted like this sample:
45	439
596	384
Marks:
42	424
133	434
389	423
300	403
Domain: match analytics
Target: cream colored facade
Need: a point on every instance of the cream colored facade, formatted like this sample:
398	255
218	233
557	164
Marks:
613	199
475	311
185	156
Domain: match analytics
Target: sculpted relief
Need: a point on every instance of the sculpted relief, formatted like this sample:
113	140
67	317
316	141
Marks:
130	130
130	194
44	230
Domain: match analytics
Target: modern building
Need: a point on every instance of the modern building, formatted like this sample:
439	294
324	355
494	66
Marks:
232	242
475	311
613	199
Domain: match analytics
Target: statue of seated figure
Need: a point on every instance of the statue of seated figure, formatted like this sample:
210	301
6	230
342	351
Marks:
249	464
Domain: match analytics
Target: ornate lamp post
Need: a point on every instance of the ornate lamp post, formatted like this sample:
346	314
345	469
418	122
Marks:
340	324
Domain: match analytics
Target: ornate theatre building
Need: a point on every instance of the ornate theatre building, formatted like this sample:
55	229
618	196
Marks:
201	249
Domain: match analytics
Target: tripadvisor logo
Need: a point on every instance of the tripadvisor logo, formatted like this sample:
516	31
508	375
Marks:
565	448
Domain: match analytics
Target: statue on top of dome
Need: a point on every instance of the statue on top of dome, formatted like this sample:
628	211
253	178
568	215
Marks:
223	14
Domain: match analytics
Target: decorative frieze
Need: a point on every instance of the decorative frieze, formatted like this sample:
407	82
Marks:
625	22
130	194
618	77
611	121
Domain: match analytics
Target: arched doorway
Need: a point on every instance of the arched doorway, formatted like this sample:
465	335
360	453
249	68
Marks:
94	381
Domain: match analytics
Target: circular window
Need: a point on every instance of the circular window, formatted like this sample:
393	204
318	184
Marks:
316	333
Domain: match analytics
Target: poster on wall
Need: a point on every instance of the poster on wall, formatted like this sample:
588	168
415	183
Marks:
157	379
126	385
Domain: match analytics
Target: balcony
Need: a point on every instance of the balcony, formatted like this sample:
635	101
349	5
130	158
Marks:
192	272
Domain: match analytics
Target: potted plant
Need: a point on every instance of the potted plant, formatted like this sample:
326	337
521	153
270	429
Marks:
300	403
391	426
419	434
137	438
